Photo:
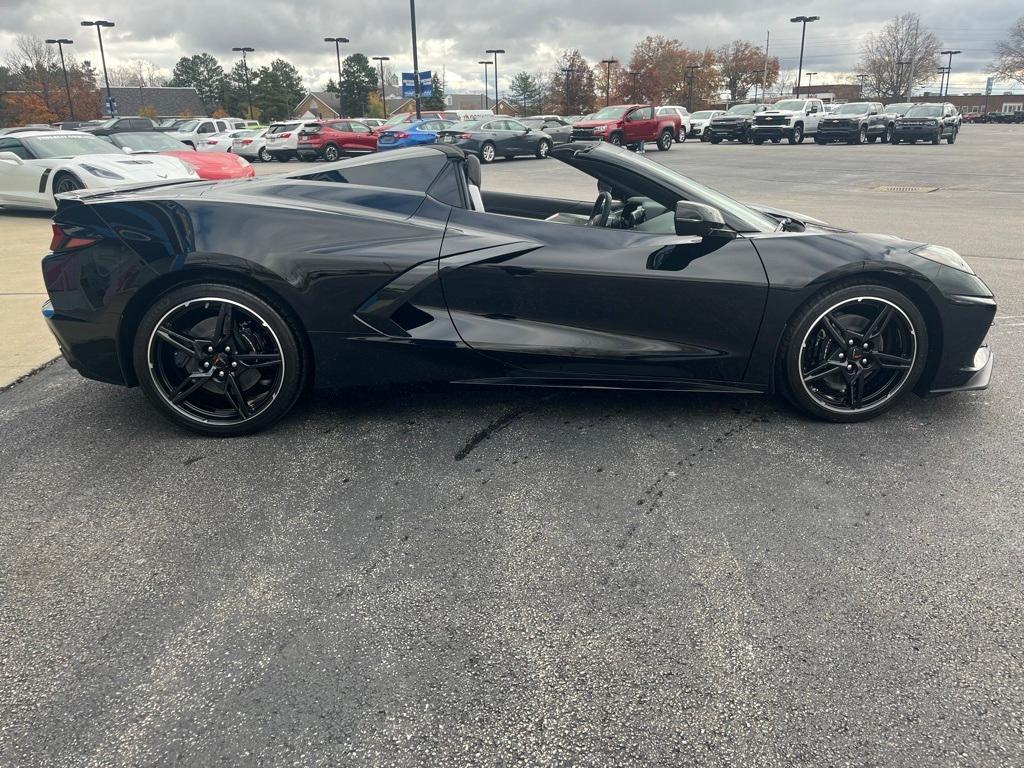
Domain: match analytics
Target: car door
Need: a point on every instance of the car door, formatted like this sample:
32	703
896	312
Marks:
502	137
20	182
361	138
639	125
813	111
589	302
522	141
559	132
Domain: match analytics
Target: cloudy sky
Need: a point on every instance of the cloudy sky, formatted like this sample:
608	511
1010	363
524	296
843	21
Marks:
455	33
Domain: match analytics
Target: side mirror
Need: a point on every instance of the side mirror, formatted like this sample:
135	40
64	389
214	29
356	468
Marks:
528	130
701	220
10	157
126	150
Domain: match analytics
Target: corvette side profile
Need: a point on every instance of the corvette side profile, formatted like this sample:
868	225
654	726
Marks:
225	301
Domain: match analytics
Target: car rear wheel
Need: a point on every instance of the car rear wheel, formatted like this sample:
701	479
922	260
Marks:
854	351
264	155
331	153
543	147
487	152
66	182
665	140
219	360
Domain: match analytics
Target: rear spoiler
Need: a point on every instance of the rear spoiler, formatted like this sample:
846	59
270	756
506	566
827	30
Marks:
89	195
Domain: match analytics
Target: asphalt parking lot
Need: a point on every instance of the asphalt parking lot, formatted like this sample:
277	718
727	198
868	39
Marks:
450	576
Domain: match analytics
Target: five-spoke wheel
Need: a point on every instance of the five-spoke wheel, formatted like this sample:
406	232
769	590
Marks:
218	359
855	351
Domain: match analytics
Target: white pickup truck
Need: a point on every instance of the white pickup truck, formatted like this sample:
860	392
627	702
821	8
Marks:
790	119
193	130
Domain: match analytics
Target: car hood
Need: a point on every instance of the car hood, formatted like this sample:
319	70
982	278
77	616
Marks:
780	113
732	118
595	123
803	218
139	167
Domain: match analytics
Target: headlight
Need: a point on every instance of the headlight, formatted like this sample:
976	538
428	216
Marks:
103	173
600	128
945	256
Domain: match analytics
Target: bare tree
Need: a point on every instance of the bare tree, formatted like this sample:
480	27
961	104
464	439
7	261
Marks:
137	73
741	65
902	55
1009	61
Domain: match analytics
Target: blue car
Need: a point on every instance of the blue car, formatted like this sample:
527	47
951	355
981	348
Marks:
411	134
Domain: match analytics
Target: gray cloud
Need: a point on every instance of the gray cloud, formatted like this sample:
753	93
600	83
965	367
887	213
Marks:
455	33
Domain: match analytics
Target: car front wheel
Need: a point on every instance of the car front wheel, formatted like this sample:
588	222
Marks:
543	147
65	182
798	135
853	351
615	139
219	360
487	152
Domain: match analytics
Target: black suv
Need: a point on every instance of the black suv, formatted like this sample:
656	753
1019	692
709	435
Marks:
856	123
734	125
120	125
927	122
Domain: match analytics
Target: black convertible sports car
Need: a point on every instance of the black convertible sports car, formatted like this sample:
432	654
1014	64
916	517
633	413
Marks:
223	301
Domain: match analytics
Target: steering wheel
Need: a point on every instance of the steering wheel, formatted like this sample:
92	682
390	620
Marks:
601	210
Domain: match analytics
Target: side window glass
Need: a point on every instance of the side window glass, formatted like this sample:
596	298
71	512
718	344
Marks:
205	128
358	128
15	146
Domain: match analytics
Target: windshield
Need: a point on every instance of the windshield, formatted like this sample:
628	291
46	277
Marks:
608	112
64	145
401	117
108	123
928	111
793	105
702	115
282	127
148	142
853	109
187	127
532	122
464	125
743	109
900	108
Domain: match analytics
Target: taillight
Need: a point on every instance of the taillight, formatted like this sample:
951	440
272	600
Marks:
400	135
63	241
465	135
246	142
283	136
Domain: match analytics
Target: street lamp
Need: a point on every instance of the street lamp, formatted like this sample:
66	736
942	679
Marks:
690	70
608	79
415	59
569	72
99	24
804	20
61	42
486	63
899	77
862	76
810	75
495	51
949	66
383	93
245	69
337	52
943	71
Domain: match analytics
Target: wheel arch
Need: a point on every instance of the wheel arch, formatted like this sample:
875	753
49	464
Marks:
898	281
151	291
57	173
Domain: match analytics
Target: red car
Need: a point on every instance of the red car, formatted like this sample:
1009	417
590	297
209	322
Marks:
332	139
212	166
629	124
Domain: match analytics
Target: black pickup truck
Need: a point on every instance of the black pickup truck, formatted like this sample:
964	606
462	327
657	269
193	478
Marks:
734	125
859	122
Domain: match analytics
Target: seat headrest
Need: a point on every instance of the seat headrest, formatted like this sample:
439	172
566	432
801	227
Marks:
473	172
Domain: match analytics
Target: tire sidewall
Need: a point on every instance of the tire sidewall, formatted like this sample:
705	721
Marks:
287	334
808	315
484	152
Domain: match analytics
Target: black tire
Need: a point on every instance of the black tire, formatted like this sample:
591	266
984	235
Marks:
264	155
681	137
331	153
887	136
798	134
819	140
66	182
615	139
487	152
543	147
937	138
835	369
758	140
715	140
894	139
862	135
665	140
221	393
776	141
951	139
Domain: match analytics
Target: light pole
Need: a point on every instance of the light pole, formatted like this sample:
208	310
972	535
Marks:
949	67
862	76
337	52
568	73
245	69
632	93
61	42
608	79
804	21
495	51
690	70
415	58
487	82
810	75
899	78
99	24
383	93
943	71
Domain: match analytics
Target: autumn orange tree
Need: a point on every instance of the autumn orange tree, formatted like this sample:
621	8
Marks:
572	90
662	75
741	65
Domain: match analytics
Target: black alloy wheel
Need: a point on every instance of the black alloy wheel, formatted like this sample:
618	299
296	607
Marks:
854	352
218	360
665	140
331	153
65	182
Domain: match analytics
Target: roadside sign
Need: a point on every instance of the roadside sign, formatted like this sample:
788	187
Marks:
409	85
110	106
988	87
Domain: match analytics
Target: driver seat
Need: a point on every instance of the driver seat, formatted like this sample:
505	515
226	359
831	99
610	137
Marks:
473	177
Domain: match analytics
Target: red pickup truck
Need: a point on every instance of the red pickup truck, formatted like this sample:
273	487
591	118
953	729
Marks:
629	124
331	139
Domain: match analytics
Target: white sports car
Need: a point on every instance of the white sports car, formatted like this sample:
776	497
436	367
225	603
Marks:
35	166
220	142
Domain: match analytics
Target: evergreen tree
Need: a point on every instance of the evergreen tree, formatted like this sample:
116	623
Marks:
204	73
526	91
358	81
436	100
276	89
